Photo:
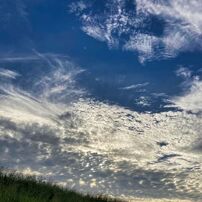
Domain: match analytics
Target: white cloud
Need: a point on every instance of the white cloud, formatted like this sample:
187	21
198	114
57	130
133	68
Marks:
143	101
56	86
184	73
16	59
187	13
144	44
97	33
183	23
8	73
77	7
191	100
97	147
109	141
182	28
135	86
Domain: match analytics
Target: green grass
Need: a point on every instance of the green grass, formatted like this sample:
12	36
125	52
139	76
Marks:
18	188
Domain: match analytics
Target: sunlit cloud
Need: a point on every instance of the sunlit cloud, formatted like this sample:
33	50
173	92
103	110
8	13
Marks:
191	100
96	147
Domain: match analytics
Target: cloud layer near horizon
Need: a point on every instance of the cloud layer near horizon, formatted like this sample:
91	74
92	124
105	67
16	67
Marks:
97	147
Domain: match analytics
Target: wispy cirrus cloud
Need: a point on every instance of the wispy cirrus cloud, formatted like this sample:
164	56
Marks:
77	7
126	25
19	58
8	73
135	86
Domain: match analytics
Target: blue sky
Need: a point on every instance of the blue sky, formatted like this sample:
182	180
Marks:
132	68
141	44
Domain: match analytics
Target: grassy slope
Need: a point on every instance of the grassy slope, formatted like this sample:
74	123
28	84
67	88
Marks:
16	188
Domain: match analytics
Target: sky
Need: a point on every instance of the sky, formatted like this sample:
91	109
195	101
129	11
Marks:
104	96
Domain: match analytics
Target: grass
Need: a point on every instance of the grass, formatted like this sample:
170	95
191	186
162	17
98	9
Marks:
18	188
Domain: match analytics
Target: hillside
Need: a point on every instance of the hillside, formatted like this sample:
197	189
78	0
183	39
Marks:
18	188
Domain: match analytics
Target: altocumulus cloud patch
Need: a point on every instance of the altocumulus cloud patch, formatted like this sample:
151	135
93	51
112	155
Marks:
57	132
132	25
